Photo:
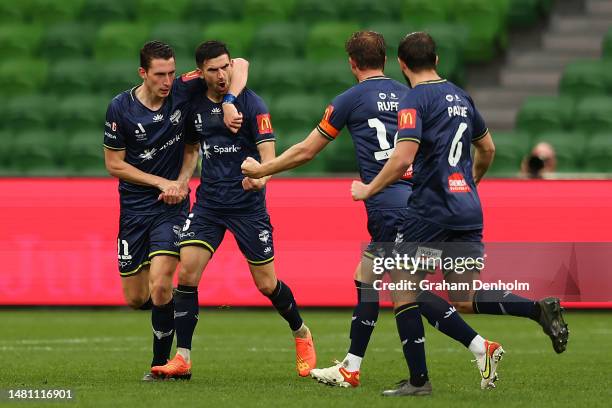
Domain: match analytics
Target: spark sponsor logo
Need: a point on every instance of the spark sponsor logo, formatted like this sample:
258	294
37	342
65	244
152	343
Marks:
226	149
264	124
148	154
406	119
457	183
206	150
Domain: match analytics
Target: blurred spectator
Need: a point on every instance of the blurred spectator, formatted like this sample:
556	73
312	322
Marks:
540	162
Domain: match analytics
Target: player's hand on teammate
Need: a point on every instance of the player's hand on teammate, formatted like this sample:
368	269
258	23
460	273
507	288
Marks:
250	168
359	191
172	192
231	117
250	184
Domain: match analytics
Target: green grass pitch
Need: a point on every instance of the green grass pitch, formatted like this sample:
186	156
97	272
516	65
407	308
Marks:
245	358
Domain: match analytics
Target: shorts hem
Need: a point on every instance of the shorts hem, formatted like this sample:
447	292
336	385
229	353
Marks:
134	271
259	263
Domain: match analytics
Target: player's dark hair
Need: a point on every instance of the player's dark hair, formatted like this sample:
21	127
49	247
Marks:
154	50
367	49
209	50
418	51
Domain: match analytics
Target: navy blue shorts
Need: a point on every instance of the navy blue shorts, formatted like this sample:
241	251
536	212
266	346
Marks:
252	230
141	237
419	238
383	227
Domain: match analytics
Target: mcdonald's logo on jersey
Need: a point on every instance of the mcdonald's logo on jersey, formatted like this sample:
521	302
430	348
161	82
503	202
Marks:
406	119
264	124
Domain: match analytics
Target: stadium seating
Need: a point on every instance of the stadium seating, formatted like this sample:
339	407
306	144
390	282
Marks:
607	45
365	11
266	11
22	76
523	13
72	76
332	77
184	37
101	11
237	36
84	154
68	40
120	41
54	11
80	112
13	12
594	115
598	153
20	40
420	12
279	40
116	77
326	40
296	111
543	114
36	152
317	10
6	153
280	76
30	112
153	11
586	78
510	149
205	11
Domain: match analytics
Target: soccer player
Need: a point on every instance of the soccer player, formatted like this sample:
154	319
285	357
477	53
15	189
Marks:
143	148
226	200
369	111
437	123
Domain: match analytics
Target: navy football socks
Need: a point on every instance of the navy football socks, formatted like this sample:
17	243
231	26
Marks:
364	320
162	320
186	309
498	302
283	301
412	335
444	317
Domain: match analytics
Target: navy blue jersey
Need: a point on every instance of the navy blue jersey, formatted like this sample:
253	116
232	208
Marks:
153	140
369	111
441	117
223	151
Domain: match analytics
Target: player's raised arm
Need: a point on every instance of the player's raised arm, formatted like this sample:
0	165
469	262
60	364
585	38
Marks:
393	170
294	156
231	117
483	156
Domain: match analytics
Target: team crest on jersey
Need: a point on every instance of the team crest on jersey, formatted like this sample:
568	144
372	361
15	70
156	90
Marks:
457	183
175	118
216	111
406	119
264	124
158	118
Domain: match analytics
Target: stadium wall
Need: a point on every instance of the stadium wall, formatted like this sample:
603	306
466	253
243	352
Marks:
58	241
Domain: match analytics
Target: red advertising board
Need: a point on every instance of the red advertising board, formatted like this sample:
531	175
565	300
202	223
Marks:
58	238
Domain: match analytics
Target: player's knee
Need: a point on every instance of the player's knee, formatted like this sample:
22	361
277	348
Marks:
188	276
266	286
161	293
135	301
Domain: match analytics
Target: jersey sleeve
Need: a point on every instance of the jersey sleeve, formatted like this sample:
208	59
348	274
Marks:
409	120
191	135
189	84
261	121
478	125
334	119
113	134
